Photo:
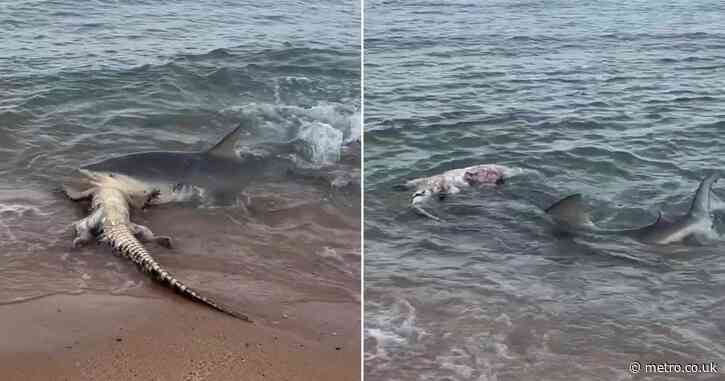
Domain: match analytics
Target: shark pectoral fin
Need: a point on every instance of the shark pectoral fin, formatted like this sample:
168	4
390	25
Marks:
571	211
146	235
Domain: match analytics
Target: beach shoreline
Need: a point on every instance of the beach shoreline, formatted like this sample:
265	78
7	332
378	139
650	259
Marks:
113	337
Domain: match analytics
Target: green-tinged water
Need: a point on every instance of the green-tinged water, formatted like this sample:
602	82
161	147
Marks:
621	101
82	82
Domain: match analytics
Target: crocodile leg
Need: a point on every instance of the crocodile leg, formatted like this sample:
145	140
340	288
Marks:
83	235
86	227
146	235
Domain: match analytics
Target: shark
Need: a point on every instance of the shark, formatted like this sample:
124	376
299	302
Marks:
571	215
219	172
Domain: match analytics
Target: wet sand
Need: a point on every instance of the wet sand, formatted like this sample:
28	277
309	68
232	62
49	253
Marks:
103	337
291	263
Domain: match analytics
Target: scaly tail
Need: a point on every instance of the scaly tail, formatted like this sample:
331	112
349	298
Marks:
120	237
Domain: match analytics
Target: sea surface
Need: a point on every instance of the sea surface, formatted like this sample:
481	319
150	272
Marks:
84	81
622	101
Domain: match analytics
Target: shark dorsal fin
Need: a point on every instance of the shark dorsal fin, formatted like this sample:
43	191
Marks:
661	219
701	201
571	211
226	148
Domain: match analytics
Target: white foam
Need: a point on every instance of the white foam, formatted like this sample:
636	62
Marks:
328	252
383	339
355	127
12	211
456	363
509	172
393	327
323	140
342	118
279	122
6	233
18	210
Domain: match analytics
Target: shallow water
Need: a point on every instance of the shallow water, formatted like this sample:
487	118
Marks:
83	82
621	101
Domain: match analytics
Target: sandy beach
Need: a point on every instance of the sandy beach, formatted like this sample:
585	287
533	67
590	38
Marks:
279	243
102	337
293	268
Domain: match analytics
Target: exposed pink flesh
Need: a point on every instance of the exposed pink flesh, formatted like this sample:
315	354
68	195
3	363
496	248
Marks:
483	176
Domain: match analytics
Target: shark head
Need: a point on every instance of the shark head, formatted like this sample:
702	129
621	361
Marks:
178	176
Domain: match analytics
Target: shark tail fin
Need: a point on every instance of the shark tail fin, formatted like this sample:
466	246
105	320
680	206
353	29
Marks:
571	211
701	202
226	147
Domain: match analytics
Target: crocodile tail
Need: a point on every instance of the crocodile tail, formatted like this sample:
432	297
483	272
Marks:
120	237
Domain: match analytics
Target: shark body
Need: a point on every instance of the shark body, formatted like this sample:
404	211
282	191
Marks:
572	215
220	172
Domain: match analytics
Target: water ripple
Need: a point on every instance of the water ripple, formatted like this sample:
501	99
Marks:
621	101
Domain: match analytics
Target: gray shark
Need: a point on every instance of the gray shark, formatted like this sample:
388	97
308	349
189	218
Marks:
572	216
218	172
